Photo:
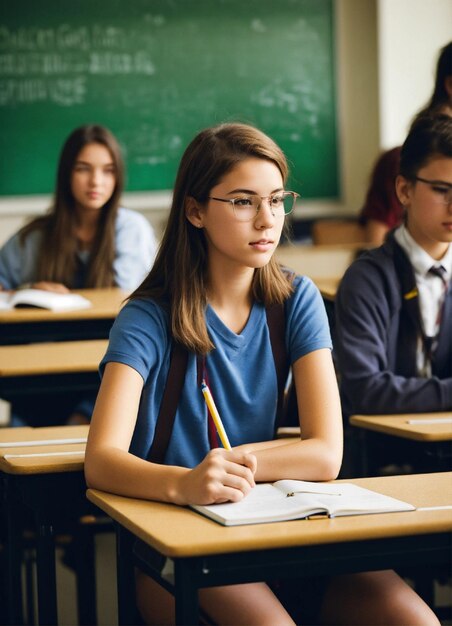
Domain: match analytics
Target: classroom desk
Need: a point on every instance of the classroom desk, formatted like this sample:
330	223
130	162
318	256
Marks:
42	367
52	487
324	261
207	554
432	431
328	287
27	325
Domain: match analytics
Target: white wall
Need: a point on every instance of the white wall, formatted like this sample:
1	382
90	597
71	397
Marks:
410	35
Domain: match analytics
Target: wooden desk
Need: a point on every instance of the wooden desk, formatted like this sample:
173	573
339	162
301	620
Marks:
325	265
206	553
42	367
328	287
29	325
317	261
434	437
408	426
52	488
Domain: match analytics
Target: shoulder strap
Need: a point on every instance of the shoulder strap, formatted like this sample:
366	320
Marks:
170	400
410	326
276	320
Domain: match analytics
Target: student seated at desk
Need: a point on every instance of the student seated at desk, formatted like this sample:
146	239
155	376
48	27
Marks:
208	290
86	239
394	303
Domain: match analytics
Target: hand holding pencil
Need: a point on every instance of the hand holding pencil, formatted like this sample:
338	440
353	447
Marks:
224	475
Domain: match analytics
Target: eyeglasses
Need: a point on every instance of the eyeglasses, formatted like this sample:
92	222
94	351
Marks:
442	191
246	207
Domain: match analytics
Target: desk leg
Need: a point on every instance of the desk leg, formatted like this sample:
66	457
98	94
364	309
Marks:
85	574
186	592
125	577
46	575
13	563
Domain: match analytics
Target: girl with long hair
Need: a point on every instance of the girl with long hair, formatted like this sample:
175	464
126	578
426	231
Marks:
213	280
86	239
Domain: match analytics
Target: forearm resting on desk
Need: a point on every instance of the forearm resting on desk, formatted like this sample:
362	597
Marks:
118	471
222	476
311	459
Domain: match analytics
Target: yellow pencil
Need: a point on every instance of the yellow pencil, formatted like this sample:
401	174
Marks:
215	416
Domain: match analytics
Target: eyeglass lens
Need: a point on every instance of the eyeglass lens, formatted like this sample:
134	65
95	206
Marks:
247	207
442	192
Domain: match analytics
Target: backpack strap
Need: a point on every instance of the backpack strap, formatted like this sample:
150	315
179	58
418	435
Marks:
276	321
410	326
170	400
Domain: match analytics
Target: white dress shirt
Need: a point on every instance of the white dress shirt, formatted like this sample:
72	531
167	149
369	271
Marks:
430	287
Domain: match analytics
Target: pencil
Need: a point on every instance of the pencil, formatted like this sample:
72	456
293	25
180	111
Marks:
215	416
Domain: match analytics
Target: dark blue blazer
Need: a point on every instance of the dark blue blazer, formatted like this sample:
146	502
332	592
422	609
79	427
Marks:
376	336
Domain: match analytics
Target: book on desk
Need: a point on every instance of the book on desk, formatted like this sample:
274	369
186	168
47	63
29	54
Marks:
286	500
42	299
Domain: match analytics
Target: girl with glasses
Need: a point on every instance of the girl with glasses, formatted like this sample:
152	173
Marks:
213	279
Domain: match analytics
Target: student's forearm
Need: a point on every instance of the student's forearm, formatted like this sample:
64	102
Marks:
311	459
222	476
122	473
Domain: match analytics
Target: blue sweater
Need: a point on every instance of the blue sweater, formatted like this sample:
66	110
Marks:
377	369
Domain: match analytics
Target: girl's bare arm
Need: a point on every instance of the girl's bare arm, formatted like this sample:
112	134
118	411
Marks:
317	454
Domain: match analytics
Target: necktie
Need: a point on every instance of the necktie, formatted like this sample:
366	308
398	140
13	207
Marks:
432	342
439	271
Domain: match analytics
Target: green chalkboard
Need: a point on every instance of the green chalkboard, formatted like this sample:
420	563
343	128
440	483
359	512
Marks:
156	72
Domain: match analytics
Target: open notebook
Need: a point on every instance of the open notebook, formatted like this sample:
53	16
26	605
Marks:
296	499
39	298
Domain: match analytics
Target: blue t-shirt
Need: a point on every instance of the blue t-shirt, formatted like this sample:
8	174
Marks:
241	371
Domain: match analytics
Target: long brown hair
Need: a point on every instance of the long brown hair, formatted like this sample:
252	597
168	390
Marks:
57	256
178	277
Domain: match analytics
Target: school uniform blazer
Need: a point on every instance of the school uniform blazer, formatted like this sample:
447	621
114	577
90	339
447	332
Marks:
377	370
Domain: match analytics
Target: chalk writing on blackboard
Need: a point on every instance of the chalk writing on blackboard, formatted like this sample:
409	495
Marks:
156	72
53	64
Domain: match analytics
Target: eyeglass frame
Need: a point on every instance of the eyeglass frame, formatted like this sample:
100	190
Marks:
232	201
439	183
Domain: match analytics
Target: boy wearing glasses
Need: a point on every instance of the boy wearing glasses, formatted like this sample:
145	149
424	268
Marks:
394	304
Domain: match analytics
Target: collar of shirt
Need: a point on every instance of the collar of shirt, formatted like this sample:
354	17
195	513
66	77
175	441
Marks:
419	258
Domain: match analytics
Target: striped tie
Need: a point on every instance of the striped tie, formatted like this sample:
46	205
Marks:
432	342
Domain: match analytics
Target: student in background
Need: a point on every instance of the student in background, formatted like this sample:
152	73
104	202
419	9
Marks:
85	240
208	290
382	210
393	312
